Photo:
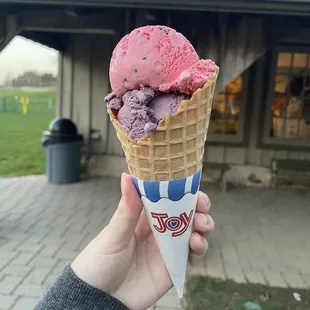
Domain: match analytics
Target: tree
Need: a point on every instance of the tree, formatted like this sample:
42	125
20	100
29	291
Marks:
48	79
33	79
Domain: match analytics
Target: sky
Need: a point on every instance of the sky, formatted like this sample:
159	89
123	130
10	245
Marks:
23	55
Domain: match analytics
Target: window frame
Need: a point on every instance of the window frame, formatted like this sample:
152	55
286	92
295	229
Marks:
239	137
266	140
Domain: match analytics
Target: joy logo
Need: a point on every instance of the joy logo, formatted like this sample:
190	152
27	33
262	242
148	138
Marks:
176	224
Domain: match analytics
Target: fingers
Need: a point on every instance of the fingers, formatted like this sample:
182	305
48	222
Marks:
202	227
203	224
203	203
124	221
199	247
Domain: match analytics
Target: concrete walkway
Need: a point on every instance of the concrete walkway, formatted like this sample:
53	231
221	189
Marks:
261	235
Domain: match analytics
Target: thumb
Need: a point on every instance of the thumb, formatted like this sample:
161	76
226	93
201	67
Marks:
126	217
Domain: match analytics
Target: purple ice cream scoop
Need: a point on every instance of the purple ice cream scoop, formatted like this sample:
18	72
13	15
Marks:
140	111
165	104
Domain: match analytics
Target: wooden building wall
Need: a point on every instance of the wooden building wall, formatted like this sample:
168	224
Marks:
82	86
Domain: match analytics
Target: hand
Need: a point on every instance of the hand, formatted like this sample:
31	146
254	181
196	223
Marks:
124	260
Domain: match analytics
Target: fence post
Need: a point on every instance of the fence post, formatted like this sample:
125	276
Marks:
50	103
2	104
17	104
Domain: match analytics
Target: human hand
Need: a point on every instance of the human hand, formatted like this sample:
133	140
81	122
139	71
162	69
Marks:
124	259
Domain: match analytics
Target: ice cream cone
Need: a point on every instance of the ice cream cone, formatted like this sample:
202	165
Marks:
175	148
166	169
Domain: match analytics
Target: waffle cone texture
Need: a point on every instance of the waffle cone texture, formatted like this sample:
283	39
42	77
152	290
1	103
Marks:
175	148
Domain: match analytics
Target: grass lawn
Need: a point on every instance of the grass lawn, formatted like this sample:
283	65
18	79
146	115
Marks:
20	150
204	293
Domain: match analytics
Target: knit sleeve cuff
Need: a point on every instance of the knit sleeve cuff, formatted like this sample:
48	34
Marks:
70	292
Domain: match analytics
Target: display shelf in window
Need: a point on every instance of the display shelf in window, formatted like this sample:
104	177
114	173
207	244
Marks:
227	118
288	113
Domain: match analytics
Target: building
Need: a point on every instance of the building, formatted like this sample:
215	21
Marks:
262	107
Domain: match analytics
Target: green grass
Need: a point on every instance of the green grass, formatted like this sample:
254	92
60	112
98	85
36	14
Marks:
204	293
20	150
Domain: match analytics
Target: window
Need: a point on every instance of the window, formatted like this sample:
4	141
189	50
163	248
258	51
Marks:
289	98
226	121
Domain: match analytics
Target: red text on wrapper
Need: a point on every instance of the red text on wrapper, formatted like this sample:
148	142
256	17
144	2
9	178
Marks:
178	225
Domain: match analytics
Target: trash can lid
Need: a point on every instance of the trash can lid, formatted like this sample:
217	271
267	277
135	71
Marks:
63	126
61	130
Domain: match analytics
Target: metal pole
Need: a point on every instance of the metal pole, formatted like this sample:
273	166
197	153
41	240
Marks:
2	106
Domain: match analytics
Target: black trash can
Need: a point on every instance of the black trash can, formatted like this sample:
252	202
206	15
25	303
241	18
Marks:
63	147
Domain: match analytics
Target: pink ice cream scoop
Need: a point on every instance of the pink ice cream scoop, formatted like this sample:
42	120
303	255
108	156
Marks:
160	58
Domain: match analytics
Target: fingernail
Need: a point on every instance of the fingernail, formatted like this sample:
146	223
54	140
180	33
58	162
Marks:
206	198
123	176
206	218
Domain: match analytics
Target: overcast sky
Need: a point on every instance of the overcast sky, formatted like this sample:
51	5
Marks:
22	54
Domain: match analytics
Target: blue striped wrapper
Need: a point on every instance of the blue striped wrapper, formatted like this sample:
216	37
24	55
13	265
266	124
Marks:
173	190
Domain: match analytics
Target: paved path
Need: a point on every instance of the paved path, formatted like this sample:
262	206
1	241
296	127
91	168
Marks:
261	235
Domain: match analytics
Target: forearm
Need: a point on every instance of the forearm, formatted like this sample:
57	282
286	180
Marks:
71	293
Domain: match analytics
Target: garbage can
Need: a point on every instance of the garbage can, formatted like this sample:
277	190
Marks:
63	147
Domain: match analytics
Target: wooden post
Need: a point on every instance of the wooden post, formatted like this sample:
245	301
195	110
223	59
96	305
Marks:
50	103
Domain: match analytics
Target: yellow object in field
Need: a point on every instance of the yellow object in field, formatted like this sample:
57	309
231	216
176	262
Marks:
24	101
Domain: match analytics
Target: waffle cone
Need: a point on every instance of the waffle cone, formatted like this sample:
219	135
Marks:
175	148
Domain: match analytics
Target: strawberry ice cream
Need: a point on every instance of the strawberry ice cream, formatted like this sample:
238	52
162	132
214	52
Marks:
158	57
152	70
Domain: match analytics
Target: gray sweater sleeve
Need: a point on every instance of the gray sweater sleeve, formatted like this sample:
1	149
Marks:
70	293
